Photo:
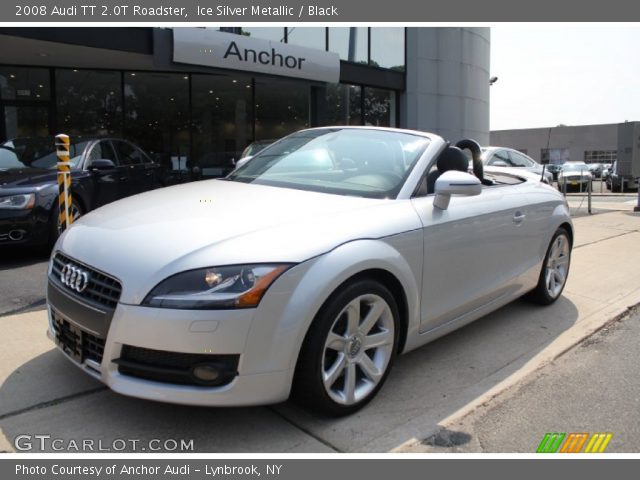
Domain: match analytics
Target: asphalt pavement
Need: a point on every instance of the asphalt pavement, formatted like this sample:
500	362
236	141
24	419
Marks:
23	279
592	388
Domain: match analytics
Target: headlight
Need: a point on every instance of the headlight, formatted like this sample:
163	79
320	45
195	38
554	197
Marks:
18	202
239	286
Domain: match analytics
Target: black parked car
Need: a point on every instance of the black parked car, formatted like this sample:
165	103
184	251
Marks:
103	170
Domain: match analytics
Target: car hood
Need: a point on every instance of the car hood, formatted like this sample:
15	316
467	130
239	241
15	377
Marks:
26	177
584	173
143	239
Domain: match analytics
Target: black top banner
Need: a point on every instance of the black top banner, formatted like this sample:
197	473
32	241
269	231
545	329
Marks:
323	11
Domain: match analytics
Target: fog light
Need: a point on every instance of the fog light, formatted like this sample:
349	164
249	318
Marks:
205	373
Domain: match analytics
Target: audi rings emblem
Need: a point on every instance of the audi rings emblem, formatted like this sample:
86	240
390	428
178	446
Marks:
74	278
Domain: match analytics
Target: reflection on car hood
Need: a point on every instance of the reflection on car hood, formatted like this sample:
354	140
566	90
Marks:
145	238
574	173
26	177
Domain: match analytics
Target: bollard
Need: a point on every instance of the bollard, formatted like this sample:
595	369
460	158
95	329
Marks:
64	182
589	188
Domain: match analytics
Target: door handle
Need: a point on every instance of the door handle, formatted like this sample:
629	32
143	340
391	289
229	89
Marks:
518	217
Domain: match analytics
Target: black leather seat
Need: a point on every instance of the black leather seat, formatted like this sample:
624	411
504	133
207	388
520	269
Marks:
451	158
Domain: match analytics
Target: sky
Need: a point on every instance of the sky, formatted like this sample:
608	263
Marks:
564	74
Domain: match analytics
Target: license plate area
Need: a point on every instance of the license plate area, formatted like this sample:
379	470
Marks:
78	344
69	339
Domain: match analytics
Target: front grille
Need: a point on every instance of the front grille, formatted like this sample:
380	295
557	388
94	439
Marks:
75	342
174	367
101	288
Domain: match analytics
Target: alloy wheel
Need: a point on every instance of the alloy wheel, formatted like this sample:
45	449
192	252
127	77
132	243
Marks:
358	349
557	266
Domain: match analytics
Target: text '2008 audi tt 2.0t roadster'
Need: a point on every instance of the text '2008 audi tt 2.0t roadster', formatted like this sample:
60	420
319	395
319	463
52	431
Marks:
305	271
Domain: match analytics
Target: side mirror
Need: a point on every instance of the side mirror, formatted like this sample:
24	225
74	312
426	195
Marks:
455	182
242	161
499	163
102	164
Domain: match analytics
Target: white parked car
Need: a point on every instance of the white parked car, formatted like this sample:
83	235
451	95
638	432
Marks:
574	175
508	157
307	270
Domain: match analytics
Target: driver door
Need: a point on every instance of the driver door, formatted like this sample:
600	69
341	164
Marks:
471	253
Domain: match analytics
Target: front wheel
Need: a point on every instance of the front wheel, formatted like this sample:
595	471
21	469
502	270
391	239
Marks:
349	349
555	269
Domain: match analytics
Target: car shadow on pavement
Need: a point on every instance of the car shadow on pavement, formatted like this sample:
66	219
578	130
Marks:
22	278
19	256
425	386
433	382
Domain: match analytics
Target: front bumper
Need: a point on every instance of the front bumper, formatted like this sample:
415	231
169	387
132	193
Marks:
20	227
213	332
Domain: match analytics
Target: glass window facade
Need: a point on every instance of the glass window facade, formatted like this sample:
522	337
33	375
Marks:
199	123
281	107
600	156
379	107
157	116
555	156
23	83
387	48
25	121
275	34
348	105
310	37
222	120
351	43
344	105
382	47
89	102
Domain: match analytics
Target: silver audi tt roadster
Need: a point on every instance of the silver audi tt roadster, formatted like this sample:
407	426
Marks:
304	272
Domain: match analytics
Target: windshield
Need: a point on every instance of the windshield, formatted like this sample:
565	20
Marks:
357	162
256	147
37	153
575	168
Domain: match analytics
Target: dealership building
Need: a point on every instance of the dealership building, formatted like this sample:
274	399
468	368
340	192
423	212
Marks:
198	96
578	143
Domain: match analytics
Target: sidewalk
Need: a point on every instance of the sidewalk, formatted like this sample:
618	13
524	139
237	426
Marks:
601	203
434	386
593	388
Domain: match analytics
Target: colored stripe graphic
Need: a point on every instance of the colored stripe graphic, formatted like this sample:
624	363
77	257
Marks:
573	442
598	443
550	443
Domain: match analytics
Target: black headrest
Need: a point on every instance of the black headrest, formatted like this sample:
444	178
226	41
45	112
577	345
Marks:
452	158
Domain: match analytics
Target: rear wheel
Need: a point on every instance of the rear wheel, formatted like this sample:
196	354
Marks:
555	269
349	349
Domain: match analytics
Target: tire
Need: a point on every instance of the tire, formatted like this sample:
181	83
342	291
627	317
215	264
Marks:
555	269
54	223
336	373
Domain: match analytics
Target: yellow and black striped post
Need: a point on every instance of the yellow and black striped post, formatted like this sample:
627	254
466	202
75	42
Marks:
64	181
